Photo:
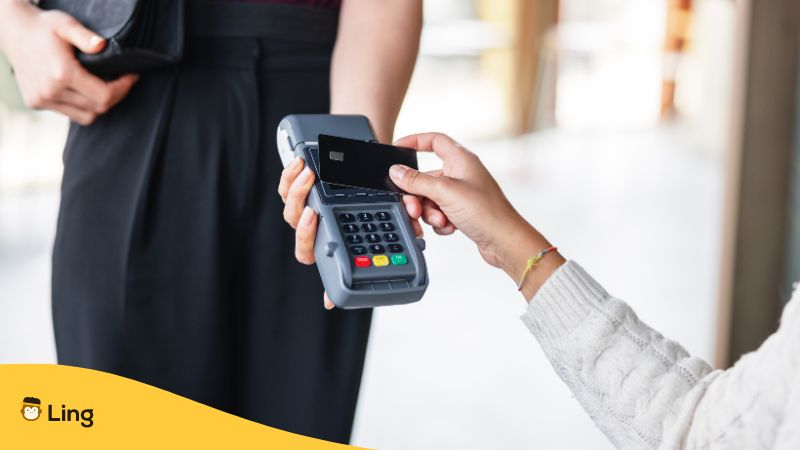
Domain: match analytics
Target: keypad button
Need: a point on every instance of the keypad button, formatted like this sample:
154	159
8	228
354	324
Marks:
373	238
358	250
354	239
350	228
346	218
380	260
369	228
362	261
386	226
395	248
364	217
376	249
383	216
391	237
399	260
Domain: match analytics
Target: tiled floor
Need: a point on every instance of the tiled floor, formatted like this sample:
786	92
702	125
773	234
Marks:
639	209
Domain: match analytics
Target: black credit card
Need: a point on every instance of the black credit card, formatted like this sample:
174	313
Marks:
361	164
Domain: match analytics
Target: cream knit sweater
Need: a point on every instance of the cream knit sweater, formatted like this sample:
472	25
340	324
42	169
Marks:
646	392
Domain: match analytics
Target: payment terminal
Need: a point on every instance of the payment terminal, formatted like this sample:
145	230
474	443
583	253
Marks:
366	250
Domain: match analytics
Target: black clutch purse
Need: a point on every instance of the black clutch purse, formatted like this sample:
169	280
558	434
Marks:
140	35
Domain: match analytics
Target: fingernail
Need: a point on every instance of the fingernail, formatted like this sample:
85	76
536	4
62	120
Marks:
95	40
306	173
305	218
329	306
397	171
294	162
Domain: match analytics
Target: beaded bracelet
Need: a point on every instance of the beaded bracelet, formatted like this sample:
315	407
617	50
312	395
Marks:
532	262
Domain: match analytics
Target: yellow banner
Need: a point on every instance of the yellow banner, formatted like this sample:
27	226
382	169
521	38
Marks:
51	406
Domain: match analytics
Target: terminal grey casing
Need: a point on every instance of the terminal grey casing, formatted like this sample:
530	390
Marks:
347	286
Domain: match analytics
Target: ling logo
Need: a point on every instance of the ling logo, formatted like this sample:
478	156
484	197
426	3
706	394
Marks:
32	410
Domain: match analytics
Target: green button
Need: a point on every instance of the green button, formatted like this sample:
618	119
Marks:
399	260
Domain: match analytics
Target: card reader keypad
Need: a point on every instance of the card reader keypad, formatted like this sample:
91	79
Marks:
372	239
347	218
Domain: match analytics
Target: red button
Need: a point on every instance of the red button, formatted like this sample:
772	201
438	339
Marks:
362	261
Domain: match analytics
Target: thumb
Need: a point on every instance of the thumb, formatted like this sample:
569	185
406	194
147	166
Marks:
414	181
79	36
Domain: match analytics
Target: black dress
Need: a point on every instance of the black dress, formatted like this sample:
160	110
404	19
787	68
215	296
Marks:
172	263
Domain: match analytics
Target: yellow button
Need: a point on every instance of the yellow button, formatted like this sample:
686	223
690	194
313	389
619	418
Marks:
380	260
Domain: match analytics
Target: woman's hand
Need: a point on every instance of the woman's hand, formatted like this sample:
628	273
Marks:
40	47
461	195
464	195
296	182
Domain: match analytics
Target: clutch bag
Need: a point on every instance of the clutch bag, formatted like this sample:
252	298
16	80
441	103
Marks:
140	35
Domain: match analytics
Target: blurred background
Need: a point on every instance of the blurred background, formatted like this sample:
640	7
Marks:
654	142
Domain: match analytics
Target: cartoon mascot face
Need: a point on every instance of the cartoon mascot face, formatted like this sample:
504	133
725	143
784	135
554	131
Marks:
31	408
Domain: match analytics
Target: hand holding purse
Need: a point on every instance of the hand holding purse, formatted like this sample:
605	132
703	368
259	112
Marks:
140	35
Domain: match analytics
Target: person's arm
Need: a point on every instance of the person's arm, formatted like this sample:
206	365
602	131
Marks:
642	390
646	391
40	47
376	48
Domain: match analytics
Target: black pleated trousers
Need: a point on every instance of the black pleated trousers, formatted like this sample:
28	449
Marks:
172	263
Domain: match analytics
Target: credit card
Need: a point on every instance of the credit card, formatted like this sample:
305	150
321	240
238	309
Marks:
361	164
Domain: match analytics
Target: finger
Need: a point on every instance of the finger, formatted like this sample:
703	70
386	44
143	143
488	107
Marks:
305	235
119	88
296	198
417	228
89	85
432	215
75	114
76	99
326	301
104	95
435	173
435	216
441	144
79	36
415	182
288	176
413	206
445	230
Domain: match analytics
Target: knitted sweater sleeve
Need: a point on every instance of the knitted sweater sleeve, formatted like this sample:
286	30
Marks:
645	391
